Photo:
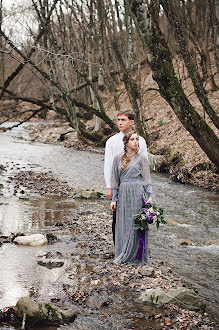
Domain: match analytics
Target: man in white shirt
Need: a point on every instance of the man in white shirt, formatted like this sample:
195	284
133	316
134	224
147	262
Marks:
114	146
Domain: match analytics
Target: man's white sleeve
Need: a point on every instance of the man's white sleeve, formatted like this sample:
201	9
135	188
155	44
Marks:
108	161
143	147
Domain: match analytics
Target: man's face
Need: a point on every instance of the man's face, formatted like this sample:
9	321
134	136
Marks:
124	123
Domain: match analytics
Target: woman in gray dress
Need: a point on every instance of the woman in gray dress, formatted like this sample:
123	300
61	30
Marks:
130	179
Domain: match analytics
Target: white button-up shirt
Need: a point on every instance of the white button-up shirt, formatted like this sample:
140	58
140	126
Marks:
114	146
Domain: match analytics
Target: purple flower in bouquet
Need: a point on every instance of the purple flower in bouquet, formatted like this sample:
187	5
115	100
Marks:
144	200
147	215
149	218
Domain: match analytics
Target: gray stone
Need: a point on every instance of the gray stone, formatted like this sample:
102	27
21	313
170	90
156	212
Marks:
68	315
87	193
181	297
31	240
42	312
50	263
147	271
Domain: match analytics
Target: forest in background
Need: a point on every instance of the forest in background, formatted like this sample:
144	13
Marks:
86	59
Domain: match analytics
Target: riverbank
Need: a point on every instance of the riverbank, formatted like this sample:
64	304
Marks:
91	283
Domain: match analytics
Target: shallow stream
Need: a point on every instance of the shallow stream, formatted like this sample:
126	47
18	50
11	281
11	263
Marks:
192	214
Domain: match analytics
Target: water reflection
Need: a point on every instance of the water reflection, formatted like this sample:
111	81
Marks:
48	210
17	215
11	213
10	280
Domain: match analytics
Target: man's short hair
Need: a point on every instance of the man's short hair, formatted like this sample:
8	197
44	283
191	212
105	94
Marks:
129	113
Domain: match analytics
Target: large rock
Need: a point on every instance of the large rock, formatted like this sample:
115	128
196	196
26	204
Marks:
42	312
32	240
181	297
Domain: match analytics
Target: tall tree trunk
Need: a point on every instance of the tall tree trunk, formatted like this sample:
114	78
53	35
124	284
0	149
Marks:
70	108
160	60
2	66
97	121
216	31
174	22
131	90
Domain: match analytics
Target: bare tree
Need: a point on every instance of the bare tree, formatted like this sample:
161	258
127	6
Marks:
215	20
200	91
54	64
2	67
161	62
74	58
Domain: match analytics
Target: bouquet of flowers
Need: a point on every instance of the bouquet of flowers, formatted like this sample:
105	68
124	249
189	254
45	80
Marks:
148	214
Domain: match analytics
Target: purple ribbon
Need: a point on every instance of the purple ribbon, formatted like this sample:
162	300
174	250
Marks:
141	244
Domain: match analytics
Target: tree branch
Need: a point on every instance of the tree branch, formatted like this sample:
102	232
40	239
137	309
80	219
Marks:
28	118
62	111
17	114
20	67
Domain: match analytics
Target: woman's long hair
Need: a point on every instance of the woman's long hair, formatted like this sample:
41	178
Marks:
124	159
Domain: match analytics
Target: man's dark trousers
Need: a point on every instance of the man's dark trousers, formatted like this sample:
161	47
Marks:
114	226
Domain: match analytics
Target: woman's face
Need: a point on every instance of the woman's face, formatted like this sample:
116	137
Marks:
133	142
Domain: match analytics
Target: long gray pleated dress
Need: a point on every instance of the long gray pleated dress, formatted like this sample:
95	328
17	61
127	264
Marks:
130	184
